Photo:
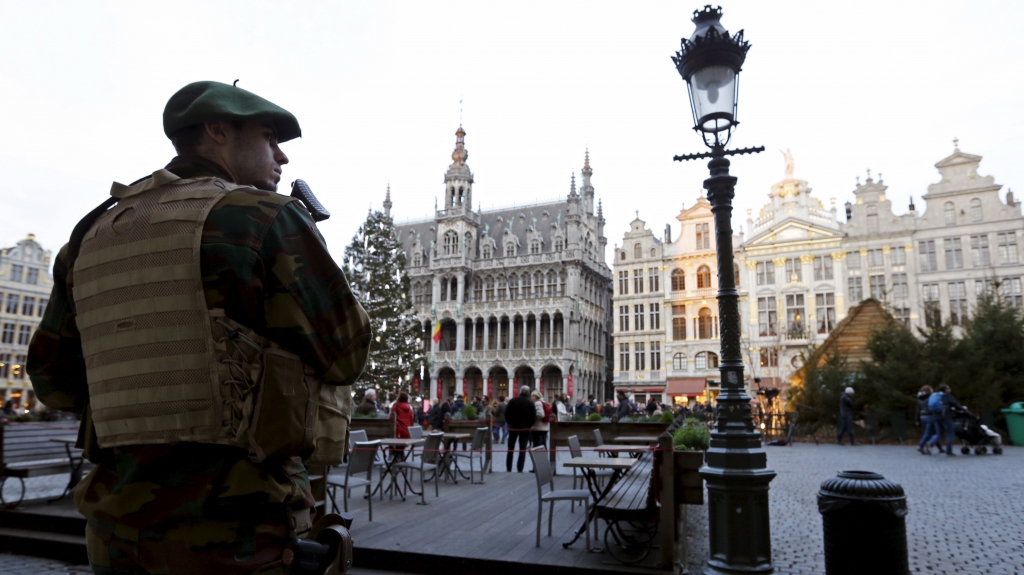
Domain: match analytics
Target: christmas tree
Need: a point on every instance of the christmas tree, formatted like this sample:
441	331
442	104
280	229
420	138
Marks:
375	266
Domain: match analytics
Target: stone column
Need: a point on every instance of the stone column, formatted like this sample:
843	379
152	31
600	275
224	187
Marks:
511	333
487	334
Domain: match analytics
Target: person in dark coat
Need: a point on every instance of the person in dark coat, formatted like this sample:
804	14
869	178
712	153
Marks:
927	420
520	415
945	420
652	406
625	408
846	416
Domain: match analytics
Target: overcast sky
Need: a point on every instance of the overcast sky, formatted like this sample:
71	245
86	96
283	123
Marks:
376	86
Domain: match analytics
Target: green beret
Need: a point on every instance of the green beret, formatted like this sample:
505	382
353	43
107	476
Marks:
213	101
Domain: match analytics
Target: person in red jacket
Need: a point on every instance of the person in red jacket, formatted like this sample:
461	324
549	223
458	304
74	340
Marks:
403	415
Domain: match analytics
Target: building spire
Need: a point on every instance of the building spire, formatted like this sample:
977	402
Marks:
572	186
387	202
460	154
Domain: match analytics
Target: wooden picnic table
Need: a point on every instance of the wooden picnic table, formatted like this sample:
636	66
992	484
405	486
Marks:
618	465
636	439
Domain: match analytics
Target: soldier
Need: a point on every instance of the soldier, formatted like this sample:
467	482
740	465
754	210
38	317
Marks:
201	328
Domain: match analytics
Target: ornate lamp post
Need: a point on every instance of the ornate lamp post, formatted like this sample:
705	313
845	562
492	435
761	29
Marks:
736	471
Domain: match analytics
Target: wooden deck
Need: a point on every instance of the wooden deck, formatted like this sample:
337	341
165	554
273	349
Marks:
469	529
487	528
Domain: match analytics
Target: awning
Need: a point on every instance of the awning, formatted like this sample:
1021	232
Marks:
632	389
686	386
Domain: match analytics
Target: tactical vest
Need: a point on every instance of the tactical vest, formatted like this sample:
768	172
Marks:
161	367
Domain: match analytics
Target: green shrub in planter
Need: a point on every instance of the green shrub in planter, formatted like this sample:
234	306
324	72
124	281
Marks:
594	417
470	412
693	435
373	415
667	417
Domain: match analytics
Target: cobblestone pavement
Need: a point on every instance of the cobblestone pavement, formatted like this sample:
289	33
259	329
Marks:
966	513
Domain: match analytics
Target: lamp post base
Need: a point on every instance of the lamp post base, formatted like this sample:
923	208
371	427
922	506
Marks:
738	509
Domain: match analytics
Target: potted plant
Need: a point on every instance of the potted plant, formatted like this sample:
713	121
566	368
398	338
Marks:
690	442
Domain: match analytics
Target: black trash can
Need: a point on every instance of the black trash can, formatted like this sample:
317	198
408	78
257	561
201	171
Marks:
863	518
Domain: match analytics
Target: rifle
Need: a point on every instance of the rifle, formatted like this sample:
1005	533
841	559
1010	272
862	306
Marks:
317	211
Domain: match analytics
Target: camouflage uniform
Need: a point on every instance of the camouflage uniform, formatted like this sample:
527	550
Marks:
203	508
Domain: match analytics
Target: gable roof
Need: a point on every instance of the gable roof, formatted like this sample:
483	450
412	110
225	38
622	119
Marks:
850	337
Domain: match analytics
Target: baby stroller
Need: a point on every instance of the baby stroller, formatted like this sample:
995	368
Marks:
972	433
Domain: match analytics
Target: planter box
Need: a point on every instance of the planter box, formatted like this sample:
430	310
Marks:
689	485
375	427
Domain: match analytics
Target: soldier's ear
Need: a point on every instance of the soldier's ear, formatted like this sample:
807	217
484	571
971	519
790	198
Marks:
218	131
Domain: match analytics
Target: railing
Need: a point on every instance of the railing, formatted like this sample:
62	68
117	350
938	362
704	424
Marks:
822	215
764	220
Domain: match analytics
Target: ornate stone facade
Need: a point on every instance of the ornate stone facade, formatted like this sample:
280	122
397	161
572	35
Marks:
521	293
25	285
800	269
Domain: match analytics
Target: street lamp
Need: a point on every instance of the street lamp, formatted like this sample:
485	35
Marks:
736	471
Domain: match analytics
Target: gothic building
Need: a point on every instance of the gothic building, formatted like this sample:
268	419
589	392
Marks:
800	269
25	285
521	294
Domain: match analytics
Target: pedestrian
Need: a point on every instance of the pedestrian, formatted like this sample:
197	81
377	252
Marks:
591	404
487	413
182	481
402	413
478	404
542	424
500	424
520	416
562	408
943	406
582	409
652	406
926	419
458	405
434	415
369	403
625	408
846	416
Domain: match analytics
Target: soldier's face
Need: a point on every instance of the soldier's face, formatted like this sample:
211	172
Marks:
253	156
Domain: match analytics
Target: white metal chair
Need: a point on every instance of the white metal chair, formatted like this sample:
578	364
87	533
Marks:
479	443
430	459
360	461
543	473
415	432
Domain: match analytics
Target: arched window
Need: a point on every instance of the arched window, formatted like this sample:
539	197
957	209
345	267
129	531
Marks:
535	246
513	286
502	288
976	210
706	360
478	289
510	249
417	259
552	284
653	252
559	244
638	251
872	219
622	255
678	280
486	251
736	274
679	362
705	324
489	288
538	284
467	243
451	243
453	294
562	279
444	289
950	213
703	277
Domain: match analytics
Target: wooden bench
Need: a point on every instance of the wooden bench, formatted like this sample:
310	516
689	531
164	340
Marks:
26	451
632	511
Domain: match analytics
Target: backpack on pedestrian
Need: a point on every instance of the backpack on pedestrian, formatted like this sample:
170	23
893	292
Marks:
935	403
549	414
